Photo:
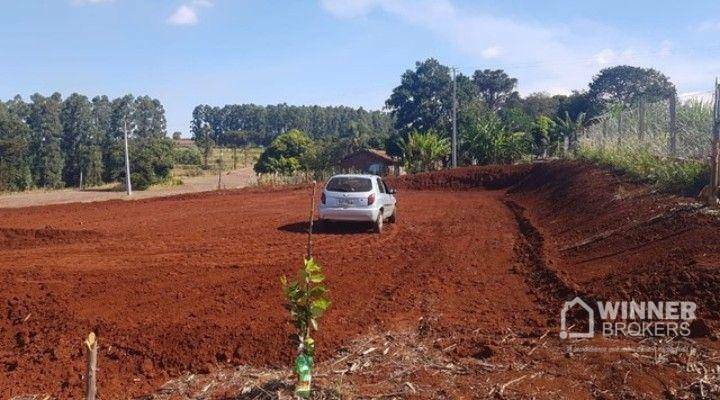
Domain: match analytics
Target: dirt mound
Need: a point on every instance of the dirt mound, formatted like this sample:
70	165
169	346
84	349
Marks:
479	177
613	239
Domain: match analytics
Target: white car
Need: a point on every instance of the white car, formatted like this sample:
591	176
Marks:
358	198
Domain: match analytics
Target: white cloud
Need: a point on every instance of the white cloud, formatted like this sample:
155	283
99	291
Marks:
543	56
349	8
605	57
184	15
491	52
187	14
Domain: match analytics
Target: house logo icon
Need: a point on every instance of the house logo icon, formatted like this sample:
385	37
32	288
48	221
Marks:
569	305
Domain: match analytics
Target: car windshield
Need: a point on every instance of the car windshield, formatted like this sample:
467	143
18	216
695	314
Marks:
349	184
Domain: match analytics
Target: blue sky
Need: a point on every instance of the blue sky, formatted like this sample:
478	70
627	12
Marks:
332	52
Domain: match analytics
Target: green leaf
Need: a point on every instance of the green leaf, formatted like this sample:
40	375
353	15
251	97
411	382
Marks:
317	278
311	266
319	306
317	291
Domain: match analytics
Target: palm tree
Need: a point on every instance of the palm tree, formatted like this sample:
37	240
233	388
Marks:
423	150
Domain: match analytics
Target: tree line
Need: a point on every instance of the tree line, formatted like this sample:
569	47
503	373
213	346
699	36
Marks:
51	142
256	125
495	123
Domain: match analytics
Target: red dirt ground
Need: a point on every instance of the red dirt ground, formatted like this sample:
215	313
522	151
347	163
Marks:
191	283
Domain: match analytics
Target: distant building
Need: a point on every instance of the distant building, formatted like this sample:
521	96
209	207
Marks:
371	161
184	142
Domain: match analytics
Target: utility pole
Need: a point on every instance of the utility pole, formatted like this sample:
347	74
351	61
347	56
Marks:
454	119
128	183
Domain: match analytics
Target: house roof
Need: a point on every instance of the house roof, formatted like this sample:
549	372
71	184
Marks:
381	154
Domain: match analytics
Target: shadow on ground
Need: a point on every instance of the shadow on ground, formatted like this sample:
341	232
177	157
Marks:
277	389
331	228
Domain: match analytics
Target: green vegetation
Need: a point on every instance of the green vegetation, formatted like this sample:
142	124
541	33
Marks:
286	155
151	163
187	156
685	177
306	301
489	141
52	143
251	124
422	151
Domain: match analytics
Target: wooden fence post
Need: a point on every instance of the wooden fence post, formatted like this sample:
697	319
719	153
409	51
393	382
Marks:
672	126
91	375
221	166
715	150
310	220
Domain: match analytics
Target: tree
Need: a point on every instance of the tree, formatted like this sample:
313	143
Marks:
14	161
177	135
577	103
236	139
542	135
122	122
537	104
495	87
423	101
80	142
627	85
47	159
287	154
149	118
152	161
487	141
423	151
202	131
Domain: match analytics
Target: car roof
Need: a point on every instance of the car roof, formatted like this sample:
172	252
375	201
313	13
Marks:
354	176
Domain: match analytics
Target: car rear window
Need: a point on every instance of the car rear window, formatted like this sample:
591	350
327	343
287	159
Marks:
349	184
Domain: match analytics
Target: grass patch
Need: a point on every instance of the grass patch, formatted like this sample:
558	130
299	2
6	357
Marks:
684	177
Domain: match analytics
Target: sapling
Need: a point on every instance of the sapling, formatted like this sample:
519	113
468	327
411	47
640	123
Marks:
306	302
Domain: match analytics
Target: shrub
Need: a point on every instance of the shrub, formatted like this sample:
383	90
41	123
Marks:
151	162
187	156
286	154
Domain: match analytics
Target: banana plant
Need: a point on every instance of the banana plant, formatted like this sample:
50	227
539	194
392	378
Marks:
570	128
306	301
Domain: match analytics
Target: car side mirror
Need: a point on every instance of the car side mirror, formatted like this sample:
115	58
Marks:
392	191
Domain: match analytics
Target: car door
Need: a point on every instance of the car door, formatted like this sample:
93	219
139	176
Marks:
386	199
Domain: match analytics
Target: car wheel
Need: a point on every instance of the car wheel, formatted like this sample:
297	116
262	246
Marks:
392	217
379	223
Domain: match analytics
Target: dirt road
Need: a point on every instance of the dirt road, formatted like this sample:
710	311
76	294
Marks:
231	180
191	283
